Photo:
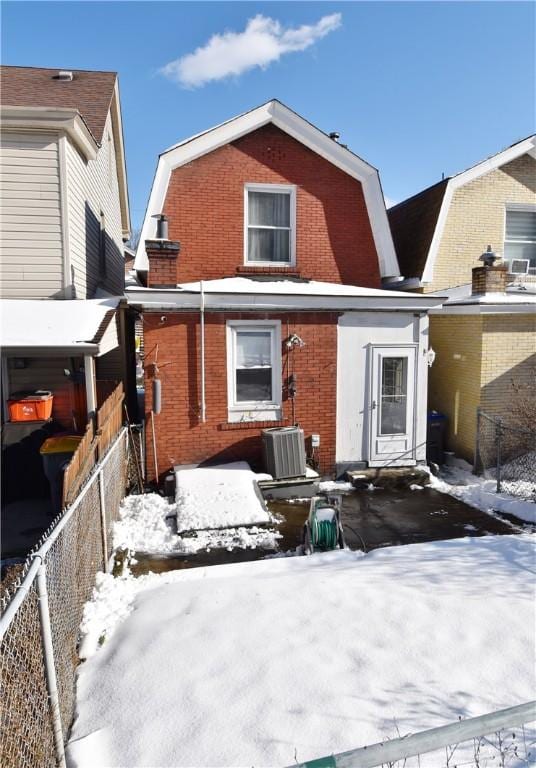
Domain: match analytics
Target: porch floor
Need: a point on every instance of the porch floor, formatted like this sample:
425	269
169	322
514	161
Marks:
23	523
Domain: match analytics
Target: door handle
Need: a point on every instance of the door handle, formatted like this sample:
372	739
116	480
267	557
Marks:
373	404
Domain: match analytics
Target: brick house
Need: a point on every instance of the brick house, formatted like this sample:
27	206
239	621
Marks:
484	336
262	306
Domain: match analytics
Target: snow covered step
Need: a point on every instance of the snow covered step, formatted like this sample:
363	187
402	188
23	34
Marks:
389	477
218	497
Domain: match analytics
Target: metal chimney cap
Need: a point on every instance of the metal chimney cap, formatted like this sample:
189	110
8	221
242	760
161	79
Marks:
489	257
159	216
335	135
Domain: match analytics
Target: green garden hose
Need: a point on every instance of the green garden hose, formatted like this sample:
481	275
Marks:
325	534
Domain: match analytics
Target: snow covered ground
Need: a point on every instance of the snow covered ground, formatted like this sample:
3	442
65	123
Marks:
478	492
272	662
148	523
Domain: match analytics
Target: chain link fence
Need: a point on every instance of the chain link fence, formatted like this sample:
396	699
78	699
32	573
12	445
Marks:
506	454
42	611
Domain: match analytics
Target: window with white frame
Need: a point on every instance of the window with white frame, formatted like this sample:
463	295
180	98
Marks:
270	224
520	241
254	368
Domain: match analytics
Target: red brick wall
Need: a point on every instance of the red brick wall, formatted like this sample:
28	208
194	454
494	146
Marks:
182	438
205	206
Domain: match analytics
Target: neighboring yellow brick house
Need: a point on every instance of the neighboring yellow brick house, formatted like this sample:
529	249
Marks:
485	334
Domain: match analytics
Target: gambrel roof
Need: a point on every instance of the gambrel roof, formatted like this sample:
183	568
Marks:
294	125
417	223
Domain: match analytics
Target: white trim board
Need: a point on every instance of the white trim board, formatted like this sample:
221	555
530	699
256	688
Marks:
527	146
307	134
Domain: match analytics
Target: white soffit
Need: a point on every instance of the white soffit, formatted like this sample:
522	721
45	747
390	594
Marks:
527	146
300	129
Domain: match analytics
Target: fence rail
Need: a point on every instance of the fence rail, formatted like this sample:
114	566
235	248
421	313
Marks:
41	615
391	752
507	455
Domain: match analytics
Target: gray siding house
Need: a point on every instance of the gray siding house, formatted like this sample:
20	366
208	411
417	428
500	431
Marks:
63	184
63	222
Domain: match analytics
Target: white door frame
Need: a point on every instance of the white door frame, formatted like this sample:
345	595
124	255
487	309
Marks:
405	448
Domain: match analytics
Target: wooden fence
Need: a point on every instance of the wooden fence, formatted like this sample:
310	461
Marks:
94	444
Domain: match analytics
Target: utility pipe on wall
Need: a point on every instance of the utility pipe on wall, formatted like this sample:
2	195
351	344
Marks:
202	350
91	393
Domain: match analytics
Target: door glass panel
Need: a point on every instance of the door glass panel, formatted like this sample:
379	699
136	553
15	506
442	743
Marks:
394	395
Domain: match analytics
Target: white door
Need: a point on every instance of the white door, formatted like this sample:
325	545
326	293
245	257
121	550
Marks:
392	406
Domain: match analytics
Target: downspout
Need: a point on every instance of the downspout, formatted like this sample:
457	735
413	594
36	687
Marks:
202	329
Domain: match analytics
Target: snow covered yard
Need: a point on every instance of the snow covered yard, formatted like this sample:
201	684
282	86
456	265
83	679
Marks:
266	663
479	492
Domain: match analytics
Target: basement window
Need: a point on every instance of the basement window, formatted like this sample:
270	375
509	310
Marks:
270	224
254	370
520	241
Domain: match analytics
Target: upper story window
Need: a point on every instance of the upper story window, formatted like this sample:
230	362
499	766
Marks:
270	224
520	241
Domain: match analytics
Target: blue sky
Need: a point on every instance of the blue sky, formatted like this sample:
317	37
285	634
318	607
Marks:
416	89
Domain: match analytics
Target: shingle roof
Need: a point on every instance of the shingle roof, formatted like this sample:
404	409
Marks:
88	92
413	224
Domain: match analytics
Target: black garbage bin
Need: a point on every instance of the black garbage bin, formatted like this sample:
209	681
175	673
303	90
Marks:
435	437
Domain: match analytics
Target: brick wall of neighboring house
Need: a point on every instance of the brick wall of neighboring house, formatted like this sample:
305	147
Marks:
182	438
205	206
476	219
508	354
455	377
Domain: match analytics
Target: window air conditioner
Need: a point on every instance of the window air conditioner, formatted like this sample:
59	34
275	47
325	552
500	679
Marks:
519	266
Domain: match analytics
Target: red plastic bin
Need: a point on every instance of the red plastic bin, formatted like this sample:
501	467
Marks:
30	406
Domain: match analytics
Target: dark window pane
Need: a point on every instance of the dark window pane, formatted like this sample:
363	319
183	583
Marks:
253	384
269	245
269	209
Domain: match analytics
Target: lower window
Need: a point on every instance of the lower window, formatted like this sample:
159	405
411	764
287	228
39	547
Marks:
254	370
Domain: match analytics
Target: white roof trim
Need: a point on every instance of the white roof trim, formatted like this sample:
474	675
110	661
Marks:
478	308
52	118
288	121
527	146
117	130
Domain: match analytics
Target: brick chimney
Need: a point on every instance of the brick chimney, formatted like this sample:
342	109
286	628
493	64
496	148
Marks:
162	255
491	277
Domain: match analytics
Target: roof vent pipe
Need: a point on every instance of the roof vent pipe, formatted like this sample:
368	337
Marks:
161	226
335	135
489	257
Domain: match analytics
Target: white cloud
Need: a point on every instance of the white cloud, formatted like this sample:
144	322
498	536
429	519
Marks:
263	41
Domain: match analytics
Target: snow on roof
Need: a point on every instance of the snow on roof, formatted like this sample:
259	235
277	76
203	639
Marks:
462	294
287	287
76	325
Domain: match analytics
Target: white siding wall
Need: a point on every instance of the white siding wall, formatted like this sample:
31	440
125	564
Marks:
93	188
30	216
357	331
